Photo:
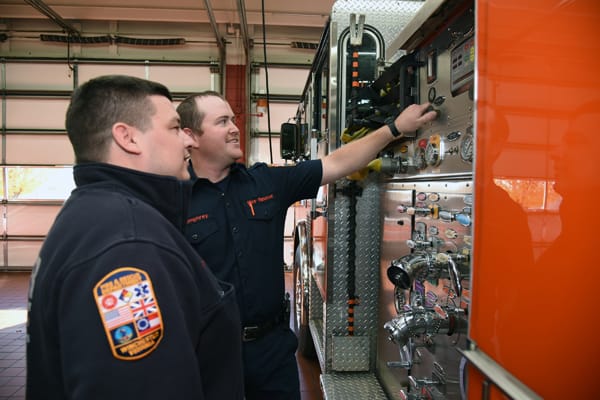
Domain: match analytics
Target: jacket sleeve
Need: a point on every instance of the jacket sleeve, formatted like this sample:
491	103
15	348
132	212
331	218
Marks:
130	322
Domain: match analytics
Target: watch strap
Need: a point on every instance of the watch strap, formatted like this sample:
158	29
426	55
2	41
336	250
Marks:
395	132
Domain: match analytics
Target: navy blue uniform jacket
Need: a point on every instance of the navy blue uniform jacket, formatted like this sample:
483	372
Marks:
118	236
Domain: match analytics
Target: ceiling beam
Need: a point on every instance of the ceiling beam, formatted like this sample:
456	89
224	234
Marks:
54	16
244	25
152	14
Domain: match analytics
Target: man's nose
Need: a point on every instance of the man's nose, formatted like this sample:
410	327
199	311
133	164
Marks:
234	126
187	139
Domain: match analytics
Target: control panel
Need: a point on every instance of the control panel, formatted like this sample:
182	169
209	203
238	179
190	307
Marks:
426	270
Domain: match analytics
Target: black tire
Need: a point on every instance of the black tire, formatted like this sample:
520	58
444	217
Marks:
301	308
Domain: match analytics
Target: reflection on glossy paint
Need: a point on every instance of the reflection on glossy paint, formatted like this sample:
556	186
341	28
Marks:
531	194
537	66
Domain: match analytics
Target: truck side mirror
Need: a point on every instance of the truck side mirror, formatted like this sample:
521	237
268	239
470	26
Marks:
288	143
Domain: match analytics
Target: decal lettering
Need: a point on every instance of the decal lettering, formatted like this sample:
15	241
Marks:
251	204
260	199
265	198
120	283
197	218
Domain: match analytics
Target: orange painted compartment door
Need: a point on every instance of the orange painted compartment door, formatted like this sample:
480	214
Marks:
535	274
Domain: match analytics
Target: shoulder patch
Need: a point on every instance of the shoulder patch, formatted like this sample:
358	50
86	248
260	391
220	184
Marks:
129	312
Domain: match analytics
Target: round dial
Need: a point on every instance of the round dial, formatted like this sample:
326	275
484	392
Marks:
420	162
432	151
466	148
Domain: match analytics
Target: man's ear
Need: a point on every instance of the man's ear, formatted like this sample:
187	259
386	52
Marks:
125	136
193	136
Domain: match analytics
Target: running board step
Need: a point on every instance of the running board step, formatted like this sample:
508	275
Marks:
351	386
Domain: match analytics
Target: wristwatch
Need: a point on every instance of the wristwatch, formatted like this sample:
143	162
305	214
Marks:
395	132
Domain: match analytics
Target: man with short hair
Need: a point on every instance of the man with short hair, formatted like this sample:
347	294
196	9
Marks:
120	305
236	221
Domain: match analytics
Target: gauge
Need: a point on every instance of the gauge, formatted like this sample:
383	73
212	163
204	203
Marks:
419	158
432	151
435	197
466	148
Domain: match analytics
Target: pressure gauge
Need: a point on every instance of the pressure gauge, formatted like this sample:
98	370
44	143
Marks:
466	148
419	158
433	155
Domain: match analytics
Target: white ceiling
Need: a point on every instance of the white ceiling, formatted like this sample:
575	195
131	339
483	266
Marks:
311	13
285	21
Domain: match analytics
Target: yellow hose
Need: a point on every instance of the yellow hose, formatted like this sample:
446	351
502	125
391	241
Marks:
361	174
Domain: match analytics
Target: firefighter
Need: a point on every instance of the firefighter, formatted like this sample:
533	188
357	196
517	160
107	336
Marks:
236	221
121	306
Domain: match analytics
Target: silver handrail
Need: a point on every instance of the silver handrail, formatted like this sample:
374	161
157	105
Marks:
500	377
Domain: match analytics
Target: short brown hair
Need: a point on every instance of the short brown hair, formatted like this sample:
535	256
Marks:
103	101
190	115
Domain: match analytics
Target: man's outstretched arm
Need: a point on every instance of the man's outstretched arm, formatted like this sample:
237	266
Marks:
357	154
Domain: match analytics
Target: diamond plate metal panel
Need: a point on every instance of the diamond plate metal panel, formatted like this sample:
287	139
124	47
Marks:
368	245
337	280
367	250
350	353
351	386
389	17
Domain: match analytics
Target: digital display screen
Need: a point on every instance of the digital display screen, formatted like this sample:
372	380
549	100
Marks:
463	66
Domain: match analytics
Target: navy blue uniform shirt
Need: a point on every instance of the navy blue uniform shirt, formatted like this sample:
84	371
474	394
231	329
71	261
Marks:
237	225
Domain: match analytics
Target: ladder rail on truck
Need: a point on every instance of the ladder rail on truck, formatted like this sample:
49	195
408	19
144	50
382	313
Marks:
392	264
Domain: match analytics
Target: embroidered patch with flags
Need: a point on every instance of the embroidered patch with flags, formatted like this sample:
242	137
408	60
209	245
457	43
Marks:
130	313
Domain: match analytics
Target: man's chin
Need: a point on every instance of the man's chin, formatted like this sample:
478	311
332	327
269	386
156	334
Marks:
236	155
184	176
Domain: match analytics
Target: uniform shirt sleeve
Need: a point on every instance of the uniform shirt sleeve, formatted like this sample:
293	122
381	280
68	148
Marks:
302	181
187	303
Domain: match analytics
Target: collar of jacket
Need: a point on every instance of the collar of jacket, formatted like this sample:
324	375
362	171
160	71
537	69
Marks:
169	195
